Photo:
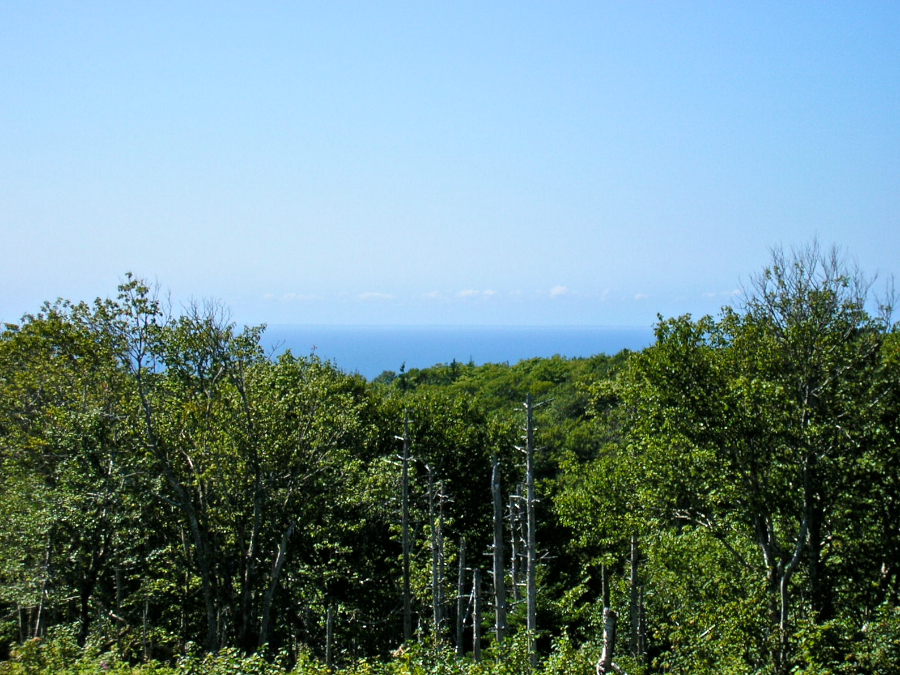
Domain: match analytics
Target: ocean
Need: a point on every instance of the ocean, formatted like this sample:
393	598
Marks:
370	350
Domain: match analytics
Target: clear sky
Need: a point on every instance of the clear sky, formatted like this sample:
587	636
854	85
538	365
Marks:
516	163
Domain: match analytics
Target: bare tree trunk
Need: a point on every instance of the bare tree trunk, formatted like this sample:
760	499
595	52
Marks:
460	597
120	622
476	615
407	596
531	591
329	636
442	575
499	576
642	625
785	600
39	620
634	596
145	640
604	585
779	576
435	559
515	548
39	614
605	664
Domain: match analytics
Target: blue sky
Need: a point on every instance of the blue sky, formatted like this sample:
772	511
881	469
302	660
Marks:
518	163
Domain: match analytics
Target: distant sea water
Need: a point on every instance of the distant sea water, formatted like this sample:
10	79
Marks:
370	350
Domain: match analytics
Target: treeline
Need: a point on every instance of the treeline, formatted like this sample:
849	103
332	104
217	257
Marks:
730	493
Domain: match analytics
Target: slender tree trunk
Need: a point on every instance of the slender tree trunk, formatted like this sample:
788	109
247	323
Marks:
604	585
779	578
476	615
87	591
275	575
532	527
203	563
39	620
442	574
499	575
642	625
89	584
249	571
39	615
145	640
435	558
329	637
404	526
515	548
820	597
460	597
120	622
634	598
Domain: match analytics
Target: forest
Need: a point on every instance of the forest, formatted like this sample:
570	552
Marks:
173	499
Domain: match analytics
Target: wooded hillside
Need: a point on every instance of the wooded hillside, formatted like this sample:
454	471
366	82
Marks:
731	493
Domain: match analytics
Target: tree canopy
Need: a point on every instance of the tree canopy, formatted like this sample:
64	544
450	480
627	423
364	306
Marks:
732	490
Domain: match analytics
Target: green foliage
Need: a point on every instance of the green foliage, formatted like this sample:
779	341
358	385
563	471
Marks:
746	465
59	654
167	492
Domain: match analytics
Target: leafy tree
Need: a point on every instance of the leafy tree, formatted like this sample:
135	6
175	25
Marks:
67	457
151	461
756	434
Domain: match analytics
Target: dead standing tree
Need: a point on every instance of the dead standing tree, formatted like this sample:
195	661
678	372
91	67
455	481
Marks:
404	527
605	664
476	615
436	501
531	591
436	498
461	598
498	558
517	541
531	543
468	605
